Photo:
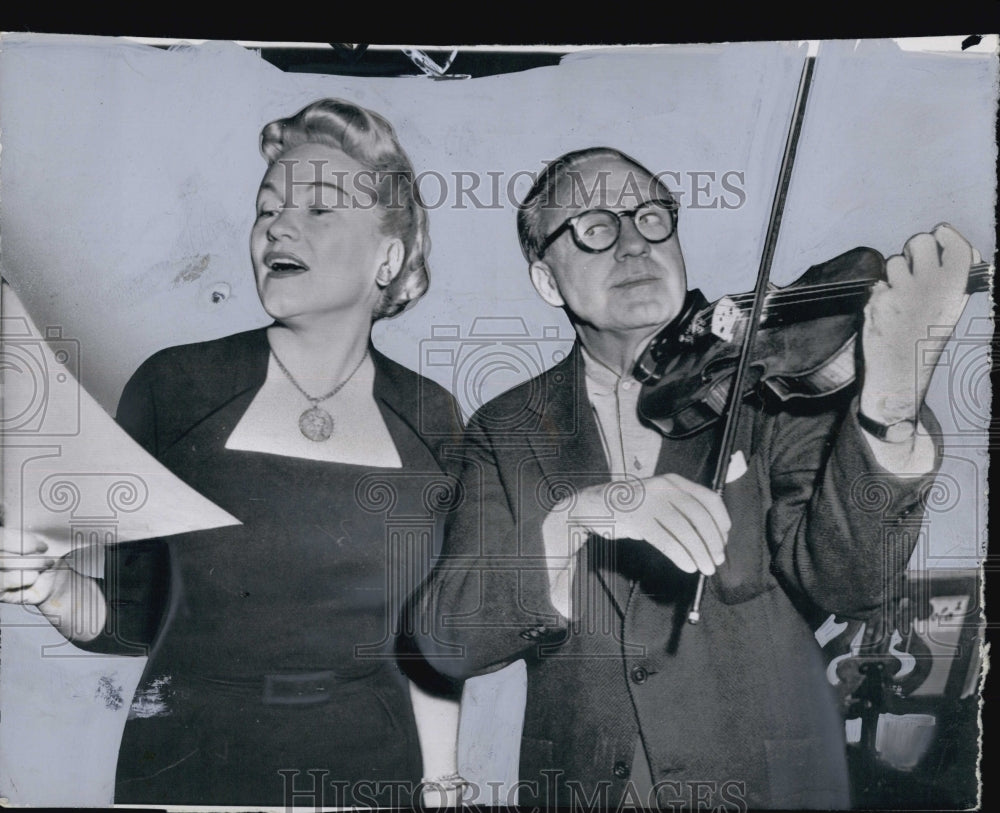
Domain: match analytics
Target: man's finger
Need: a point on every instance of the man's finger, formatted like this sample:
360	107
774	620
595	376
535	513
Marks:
677	533
955	252
897	273
921	249
668	543
706	499
706	529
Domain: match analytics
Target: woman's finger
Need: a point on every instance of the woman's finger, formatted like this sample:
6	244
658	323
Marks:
16	541
16	580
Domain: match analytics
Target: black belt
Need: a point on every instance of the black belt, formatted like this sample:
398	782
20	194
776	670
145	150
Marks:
290	688
302	688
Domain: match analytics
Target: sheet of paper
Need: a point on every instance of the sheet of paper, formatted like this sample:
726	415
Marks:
70	473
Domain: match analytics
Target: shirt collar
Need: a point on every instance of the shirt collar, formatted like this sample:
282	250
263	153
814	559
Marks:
601	379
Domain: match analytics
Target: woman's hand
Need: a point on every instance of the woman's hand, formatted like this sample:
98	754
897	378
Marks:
73	603
28	575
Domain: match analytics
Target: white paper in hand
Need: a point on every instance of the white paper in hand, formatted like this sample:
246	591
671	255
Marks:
70	473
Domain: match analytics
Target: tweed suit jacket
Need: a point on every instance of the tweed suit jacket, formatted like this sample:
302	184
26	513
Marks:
735	709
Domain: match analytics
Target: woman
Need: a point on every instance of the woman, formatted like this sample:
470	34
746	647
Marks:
274	675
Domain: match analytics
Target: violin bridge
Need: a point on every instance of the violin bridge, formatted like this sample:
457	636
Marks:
725	318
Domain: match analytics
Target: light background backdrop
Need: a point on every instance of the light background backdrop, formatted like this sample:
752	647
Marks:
127	181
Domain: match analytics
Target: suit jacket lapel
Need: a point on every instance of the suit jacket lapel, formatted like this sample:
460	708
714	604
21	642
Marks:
567	446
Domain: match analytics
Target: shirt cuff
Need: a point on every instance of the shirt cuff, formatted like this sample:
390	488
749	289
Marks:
555	540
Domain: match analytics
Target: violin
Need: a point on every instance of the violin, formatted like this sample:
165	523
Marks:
797	341
805	344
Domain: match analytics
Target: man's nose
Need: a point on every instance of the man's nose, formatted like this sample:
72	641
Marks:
630	242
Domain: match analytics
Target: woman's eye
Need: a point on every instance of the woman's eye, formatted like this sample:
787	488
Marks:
264	213
320	211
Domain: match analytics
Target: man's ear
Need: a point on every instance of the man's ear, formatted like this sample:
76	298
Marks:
392	262
545	283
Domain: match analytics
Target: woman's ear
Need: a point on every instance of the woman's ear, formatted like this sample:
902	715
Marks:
392	262
545	283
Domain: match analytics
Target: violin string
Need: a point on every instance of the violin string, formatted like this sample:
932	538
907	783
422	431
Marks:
802	294
777	300
812	291
817	292
794	296
805	294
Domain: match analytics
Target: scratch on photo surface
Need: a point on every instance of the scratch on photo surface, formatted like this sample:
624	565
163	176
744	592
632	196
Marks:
163	769
338	540
193	270
109	692
151	702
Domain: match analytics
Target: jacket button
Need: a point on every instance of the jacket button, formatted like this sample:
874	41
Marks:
621	770
639	675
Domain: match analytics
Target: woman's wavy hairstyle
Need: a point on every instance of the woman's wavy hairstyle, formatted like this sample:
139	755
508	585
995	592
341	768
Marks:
371	141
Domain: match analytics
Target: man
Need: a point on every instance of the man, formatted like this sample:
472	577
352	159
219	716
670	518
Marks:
581	526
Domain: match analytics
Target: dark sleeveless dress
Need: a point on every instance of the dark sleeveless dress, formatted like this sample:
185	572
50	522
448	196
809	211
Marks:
273	679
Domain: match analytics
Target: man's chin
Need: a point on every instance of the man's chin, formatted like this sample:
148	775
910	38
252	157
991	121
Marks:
649	317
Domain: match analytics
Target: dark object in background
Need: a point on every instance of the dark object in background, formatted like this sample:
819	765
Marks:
909	685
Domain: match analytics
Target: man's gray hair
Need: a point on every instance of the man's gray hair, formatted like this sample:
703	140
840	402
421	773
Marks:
544	192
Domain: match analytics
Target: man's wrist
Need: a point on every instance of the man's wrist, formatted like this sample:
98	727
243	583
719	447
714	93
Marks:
895	431
889	416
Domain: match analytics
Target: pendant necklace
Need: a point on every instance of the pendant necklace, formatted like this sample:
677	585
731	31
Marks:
316	423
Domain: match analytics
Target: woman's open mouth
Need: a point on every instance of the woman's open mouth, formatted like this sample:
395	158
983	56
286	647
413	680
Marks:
282	264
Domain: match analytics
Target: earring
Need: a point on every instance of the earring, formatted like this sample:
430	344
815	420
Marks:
384	276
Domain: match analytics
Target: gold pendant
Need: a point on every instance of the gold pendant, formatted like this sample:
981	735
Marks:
316	424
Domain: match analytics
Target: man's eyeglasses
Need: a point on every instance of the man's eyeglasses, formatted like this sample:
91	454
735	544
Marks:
597	230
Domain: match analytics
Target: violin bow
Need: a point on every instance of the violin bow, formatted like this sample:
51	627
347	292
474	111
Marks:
734	399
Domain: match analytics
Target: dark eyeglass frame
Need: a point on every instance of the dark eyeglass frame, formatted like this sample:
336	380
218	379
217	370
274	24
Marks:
570	223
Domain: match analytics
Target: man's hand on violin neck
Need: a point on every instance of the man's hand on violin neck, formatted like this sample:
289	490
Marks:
908	320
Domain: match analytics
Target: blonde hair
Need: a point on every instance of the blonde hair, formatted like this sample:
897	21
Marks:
370	140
